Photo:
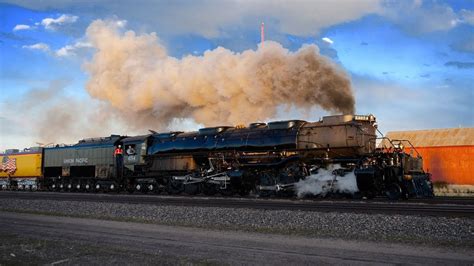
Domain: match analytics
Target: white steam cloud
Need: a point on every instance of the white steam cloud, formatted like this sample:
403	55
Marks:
325	182
150	89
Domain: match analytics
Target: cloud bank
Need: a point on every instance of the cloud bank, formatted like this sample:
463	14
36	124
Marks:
210	18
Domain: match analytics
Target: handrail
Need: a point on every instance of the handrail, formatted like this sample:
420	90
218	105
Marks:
400	141
411	145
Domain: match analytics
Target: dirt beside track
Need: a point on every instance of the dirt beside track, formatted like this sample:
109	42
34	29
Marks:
39	239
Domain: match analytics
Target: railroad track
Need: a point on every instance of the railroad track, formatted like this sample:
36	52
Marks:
436	207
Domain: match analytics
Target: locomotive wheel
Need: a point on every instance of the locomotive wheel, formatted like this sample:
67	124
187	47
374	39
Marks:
208	189
191	189
263	193
393	191
244	192
153	188
175	187
226	192
286	193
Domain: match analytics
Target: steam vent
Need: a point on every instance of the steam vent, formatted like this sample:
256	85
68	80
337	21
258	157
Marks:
447	153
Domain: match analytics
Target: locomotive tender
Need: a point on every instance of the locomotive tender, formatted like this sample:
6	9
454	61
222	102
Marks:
265	159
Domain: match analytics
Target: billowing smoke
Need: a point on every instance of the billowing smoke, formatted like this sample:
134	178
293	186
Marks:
325	182
149	88
48	114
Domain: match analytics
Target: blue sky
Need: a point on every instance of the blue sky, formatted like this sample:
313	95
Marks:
411	63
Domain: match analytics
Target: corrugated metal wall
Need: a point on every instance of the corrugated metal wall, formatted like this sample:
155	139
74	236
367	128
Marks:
451	164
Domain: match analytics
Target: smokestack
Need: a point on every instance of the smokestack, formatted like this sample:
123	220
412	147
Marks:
262	33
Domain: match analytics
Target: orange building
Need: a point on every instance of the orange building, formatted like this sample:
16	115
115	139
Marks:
448	154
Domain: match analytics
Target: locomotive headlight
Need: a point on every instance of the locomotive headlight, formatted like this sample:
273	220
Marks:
78	186
112	187
97	186
150	187
53	186
87	186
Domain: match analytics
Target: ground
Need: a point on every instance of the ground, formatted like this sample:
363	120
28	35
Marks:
49	239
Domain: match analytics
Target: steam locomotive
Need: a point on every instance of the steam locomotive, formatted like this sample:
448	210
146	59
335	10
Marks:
263	159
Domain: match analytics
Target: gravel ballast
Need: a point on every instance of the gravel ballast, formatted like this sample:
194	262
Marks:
432	231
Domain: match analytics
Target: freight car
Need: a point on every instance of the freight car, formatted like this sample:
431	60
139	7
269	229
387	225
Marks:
266	159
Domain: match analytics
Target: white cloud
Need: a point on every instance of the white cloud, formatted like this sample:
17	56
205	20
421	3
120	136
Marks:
21	27
65	51
52	23
38	46
416	18
326	39
70	50
121	23
467	16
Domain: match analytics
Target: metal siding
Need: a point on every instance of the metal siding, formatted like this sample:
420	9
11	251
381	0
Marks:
451	164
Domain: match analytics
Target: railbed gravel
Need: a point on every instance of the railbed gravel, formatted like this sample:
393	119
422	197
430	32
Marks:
425	230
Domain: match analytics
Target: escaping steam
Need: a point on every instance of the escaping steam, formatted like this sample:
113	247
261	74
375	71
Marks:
136	76
325	182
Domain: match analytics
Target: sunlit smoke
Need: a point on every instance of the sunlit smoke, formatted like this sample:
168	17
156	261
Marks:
135	75
325	182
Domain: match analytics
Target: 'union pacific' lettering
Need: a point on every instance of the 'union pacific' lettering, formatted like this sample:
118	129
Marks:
77	160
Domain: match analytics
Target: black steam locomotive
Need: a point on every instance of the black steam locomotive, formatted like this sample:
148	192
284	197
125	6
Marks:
278	158
264	159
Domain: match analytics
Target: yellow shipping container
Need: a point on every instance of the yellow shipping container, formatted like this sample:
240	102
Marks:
22	165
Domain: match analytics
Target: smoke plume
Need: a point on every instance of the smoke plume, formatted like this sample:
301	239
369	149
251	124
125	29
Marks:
136	76
48	114
325	182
